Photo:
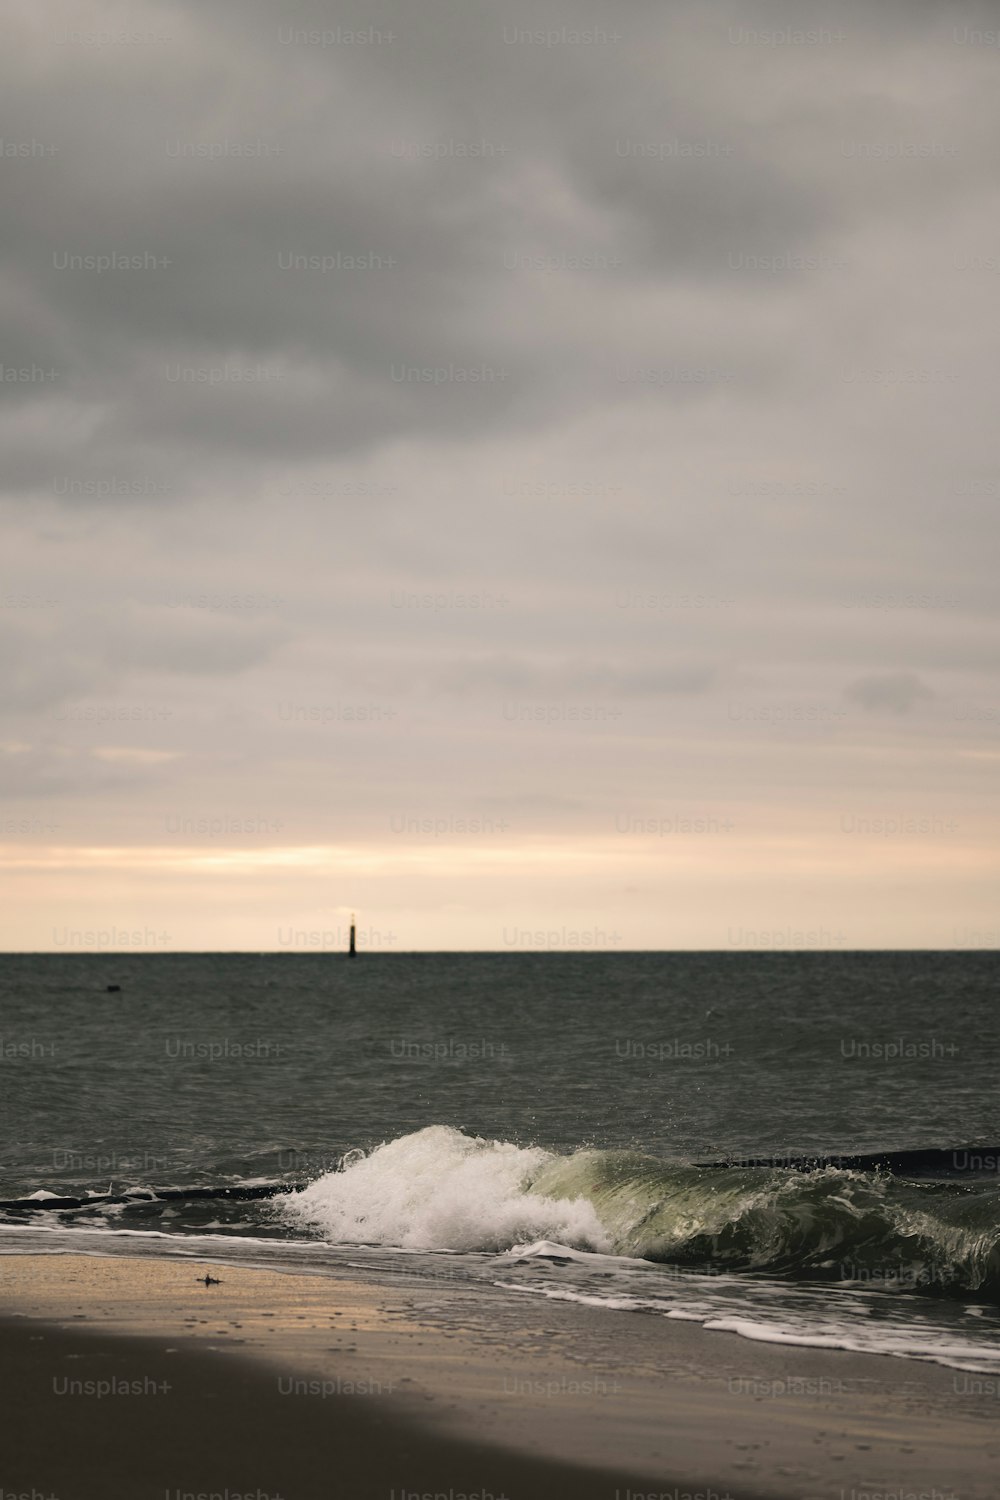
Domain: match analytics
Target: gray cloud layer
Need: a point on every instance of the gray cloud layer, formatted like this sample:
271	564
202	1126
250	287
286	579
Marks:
609	419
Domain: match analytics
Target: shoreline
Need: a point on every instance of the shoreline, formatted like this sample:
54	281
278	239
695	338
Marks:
444	1383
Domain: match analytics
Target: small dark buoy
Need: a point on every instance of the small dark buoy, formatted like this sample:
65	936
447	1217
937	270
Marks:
113	989
210	1280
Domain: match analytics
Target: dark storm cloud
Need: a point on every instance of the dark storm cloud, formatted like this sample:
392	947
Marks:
429	316
417	326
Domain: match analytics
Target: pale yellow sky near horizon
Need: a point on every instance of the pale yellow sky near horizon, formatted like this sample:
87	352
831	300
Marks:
663	892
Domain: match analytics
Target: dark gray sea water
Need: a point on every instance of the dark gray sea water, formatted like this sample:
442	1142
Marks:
572	1126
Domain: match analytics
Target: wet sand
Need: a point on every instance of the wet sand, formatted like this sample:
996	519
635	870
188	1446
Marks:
129	1377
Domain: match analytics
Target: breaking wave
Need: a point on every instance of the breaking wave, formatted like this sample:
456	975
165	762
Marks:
440	1189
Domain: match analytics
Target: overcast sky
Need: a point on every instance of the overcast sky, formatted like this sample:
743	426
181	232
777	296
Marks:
527	475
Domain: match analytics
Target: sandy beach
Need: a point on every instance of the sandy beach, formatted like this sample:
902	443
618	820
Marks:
131	1376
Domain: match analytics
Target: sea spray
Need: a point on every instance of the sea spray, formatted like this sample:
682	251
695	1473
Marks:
439	1189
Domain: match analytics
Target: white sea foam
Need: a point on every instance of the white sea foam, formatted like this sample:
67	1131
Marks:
551	1250
924	1345
440	1189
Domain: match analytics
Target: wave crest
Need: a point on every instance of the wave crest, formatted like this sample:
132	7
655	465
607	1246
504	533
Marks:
439	1189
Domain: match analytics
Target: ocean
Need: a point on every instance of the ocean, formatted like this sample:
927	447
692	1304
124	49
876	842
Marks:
798	1147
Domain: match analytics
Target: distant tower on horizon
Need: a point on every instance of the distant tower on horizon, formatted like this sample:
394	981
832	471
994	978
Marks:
352	951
